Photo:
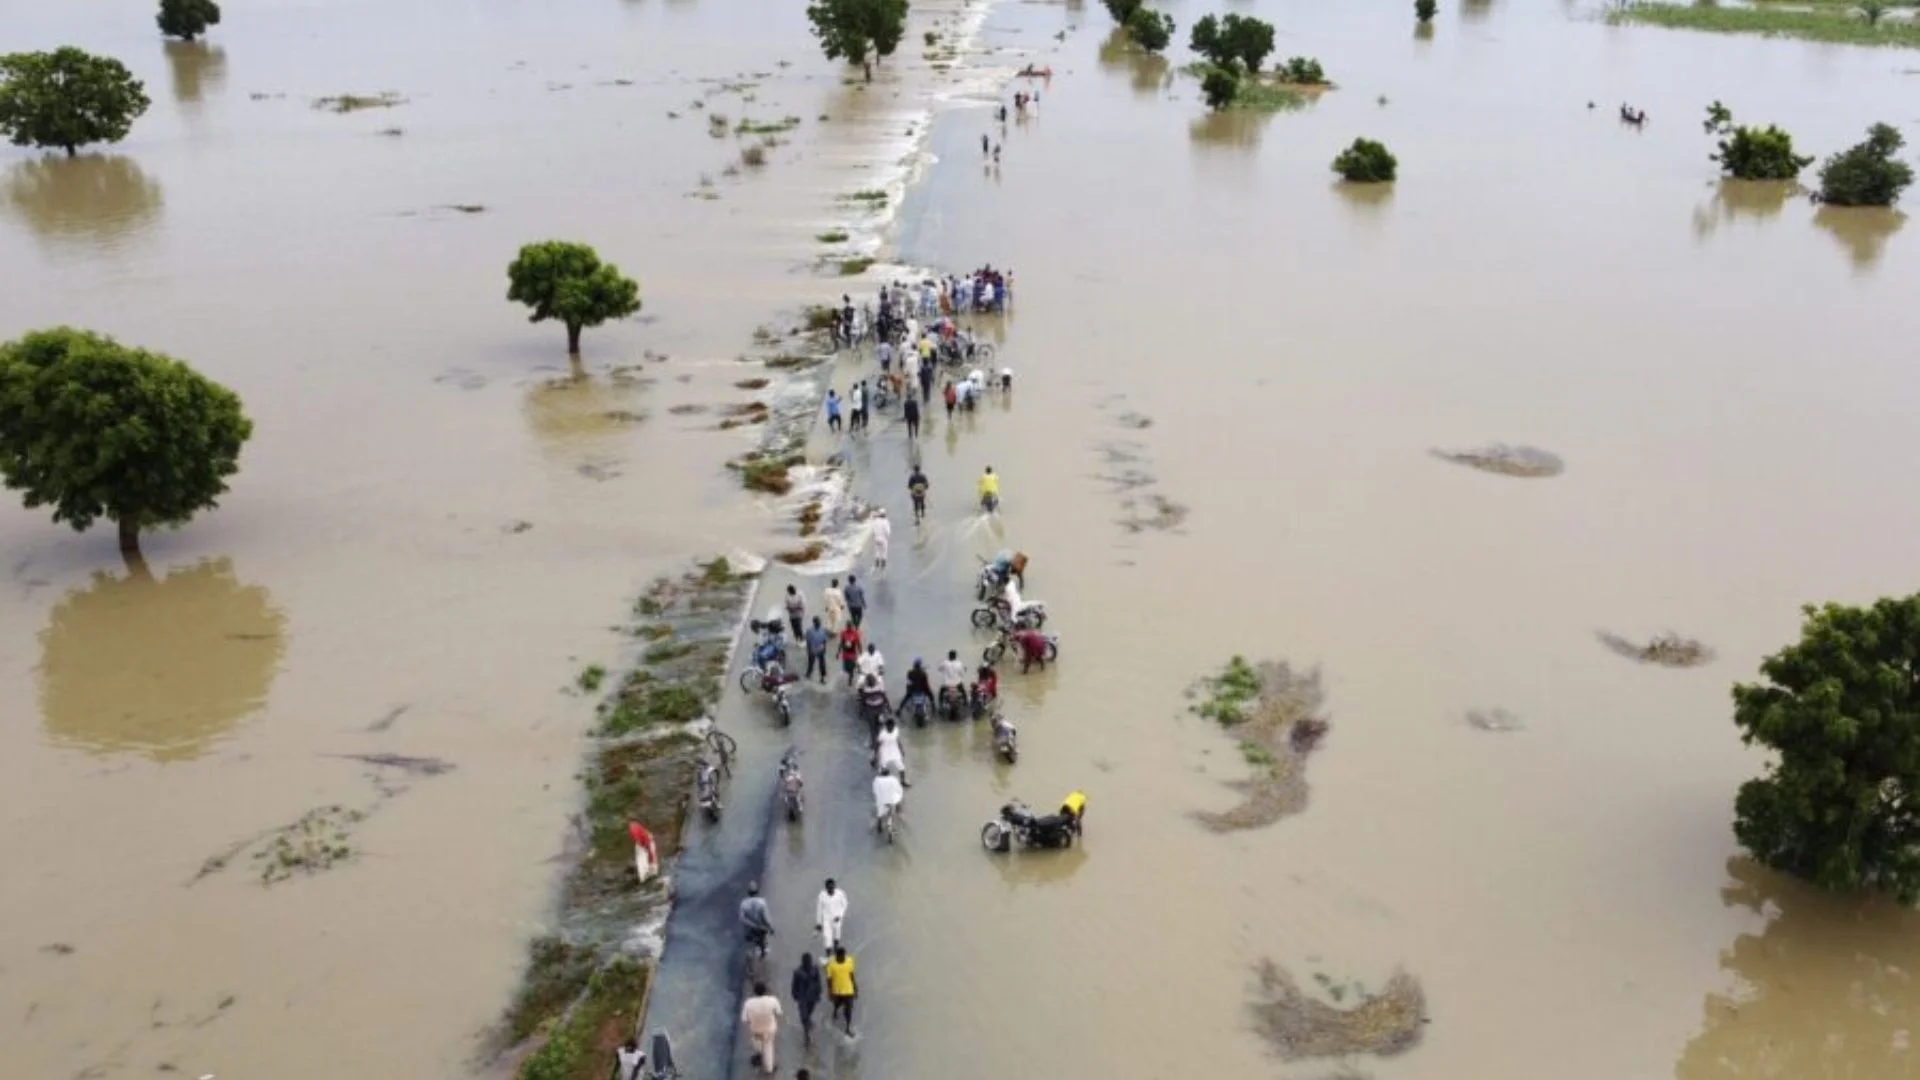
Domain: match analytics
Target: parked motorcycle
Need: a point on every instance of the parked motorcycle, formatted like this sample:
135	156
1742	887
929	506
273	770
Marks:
771	680
706	789
992	653
1005	738
1018	822
792	786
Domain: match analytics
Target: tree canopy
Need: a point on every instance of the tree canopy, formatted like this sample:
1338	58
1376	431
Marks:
1122	10
67	98
1151	30
1233	39
1220	86
858	31
187	19
97	429
568	282
1749	153
1366	162
1841	707
1867	173
1424	10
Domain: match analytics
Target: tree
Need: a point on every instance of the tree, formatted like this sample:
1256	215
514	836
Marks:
67	98
1749	153
1302	71
1366	162
1123	10
101	430
1867	174
1873	11
1151	30
187	19
858	31
568	282
1220	85
1234	39
1842	709
1424	10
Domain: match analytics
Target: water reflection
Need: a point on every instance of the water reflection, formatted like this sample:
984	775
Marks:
198	68
576	414
93	199
1862	230
1369	202
1146	73
1825	989
1475	10
1228	129
1423	31
158	666
1733	200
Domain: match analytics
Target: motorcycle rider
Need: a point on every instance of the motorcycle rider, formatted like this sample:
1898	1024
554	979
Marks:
953	677
986	688
873	664
873	702
754	919
888	794
1032	646
989	491
887	755
916	684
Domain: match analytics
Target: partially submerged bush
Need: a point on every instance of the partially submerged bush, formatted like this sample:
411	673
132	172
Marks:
1750	153
1221	86
1867	174
1424	10
1366	162
1302	71
1236	39
1151	30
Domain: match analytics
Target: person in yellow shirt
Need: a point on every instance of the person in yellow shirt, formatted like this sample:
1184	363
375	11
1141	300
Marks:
841	987
989	491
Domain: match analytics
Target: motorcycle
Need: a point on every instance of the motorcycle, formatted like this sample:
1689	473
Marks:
919	707
995	574
706	789
992	653
874	711
773	681
999	613
980	701
1005	738
1018	822
953	702
792	785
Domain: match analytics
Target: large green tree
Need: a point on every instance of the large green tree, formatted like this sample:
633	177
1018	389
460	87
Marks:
567	282
1867	173
1841	804
100	430
187	19
1751	153
67	98
1151	30
1233	39
858	31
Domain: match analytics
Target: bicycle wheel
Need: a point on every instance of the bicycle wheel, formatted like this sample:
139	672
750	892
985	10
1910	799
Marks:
723	747
983	353
983	618
1053	650
992	653
749	679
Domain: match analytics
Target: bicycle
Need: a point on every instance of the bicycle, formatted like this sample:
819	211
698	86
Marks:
724	747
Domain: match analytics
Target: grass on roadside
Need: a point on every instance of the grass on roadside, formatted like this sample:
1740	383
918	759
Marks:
1835	23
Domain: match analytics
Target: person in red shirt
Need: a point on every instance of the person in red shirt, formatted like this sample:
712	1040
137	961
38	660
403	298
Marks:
849	651
1033	648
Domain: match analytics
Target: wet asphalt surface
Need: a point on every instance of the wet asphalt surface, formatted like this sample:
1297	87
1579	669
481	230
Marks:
925	595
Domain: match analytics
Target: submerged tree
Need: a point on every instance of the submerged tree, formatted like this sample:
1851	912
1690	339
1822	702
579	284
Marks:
1122	10
858	31
187	19
1424	10
100	430
568	282
67	98
1750	153
1151	30
1235	39
1841	805
1867	174
1873	11
1366	162
1302	71
1220	86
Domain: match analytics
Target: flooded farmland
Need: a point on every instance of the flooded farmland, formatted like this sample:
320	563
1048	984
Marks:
438	521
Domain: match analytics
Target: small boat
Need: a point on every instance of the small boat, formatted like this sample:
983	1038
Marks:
1031	72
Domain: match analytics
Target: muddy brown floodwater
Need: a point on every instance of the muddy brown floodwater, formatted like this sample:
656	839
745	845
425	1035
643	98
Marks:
438	520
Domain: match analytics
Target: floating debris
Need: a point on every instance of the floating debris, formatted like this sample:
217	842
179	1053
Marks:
316	841
346	103
386	721
1134	420
1494	719
1275	714
1524	461
1297	1025
412	766
1161	513
1667	650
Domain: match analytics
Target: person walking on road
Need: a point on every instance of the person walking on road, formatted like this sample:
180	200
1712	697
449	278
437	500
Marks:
761	1015
830	913
817	641
951	396
926	382
856	601
835	602
850	651
882	534
842	987
628	1060
910	408
833	411
796	612
754	918
917	487
805	989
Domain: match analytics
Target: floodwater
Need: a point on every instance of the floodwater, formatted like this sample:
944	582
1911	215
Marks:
1721	370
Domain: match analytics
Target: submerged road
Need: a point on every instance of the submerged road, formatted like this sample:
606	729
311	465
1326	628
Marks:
918	607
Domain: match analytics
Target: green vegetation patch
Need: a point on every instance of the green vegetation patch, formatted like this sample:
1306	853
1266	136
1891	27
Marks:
346	103
756	127
832	236
580	1047
852	267
1819	22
